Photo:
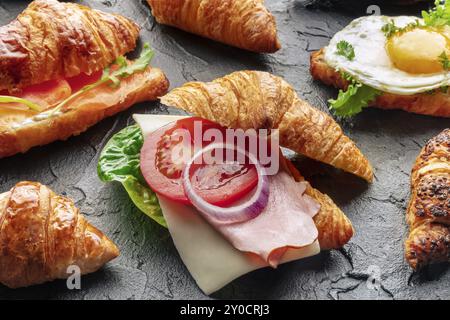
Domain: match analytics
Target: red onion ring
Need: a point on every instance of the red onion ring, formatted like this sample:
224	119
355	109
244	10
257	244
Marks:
248	210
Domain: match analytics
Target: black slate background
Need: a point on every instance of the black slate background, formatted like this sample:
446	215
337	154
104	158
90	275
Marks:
149	266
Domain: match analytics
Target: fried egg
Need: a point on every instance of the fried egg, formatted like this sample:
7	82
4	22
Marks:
406	63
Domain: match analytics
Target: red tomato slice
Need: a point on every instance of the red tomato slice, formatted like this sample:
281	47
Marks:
83	79
163	161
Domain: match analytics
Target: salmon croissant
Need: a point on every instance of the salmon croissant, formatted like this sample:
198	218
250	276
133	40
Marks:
52	58
245	24
42	234
51	40
428	213
253	99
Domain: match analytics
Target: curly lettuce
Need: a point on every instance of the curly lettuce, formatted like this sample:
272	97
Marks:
120	161
352	101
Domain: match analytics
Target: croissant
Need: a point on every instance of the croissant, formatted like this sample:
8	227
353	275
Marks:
334	228
51	40
428	212
42	234
253	99
436	104
246	24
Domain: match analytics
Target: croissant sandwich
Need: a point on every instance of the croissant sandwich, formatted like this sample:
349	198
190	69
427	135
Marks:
62	70
42	234
228	218
428	213
253	99
245	24
397	63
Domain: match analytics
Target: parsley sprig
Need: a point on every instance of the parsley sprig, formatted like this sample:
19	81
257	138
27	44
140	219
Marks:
438	16
445	61
390	29
346	49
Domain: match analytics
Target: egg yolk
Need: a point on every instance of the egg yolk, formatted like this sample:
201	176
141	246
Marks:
417	51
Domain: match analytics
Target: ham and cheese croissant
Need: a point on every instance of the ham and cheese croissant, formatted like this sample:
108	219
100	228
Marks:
42	234
51	40
45	53
428	213
245	24
253	99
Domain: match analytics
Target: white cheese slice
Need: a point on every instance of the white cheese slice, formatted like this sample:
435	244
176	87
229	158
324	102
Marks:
212	261
152	122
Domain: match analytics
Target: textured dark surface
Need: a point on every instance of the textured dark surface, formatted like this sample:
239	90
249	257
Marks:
149	266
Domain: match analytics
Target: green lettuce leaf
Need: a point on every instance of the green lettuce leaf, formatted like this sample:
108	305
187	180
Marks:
120	161
352	101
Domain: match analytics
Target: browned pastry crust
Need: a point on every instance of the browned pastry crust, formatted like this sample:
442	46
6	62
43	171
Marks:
428	213
52	40
246	24
85	111
335	229
433	104
253	99
42	234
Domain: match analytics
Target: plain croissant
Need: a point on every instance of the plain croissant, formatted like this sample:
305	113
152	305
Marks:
246	24
253	99
51	40
42	234
428	213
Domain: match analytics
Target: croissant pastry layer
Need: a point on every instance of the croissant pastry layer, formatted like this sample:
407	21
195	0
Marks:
428	213
52	40
254	99
246	24
42	234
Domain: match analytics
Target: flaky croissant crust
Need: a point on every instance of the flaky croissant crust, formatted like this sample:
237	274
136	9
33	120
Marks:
51	40
42	234
254	99
246	24
428	213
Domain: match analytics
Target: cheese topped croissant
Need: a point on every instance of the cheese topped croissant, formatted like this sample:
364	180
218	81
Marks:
428	213
42	234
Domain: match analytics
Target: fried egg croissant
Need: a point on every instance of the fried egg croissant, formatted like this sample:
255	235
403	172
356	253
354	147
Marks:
246	24
428	213
42	234
253	99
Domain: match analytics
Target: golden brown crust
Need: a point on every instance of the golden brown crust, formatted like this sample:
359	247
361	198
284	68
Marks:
52	40
253	99
433	104
335	229
428	213
42	234
86	111
246	24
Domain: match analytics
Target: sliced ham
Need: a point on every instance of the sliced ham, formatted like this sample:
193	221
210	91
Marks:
286	222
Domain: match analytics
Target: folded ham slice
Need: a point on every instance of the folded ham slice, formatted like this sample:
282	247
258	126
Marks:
286	222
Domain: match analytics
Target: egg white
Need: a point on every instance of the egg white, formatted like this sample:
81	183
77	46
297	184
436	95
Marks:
372	65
